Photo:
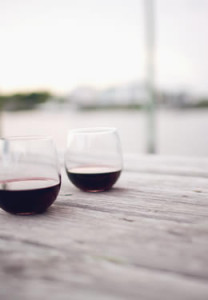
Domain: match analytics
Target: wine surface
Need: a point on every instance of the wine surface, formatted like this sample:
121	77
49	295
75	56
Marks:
28	195
93	178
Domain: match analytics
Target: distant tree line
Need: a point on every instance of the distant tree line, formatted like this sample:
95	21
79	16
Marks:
23	101
203	103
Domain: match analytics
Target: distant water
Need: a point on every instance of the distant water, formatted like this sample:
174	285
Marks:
183	132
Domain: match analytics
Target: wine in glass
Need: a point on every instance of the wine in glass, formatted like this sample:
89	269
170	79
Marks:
29	174
93	159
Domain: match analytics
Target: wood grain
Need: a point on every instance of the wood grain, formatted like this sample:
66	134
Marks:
147	238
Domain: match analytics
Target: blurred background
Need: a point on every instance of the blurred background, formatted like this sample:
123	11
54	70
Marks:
138	65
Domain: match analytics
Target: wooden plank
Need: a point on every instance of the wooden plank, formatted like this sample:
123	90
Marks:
185	166
144	239
151	195
79	255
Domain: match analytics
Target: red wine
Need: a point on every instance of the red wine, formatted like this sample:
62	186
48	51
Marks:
28	196
93	179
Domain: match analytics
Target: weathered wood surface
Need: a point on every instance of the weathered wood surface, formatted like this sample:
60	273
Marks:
145	239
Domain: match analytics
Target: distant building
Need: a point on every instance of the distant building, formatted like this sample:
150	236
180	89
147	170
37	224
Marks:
123	95
83	97
175	99
128	94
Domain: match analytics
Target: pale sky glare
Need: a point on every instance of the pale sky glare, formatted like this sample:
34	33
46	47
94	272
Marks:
62	44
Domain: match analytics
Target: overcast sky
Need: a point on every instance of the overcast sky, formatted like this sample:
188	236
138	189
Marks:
61	44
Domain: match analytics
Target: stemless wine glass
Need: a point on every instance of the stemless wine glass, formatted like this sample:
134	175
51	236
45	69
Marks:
29	174
93	159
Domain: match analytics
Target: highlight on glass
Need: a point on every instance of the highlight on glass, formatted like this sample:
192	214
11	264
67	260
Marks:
93	158
30	177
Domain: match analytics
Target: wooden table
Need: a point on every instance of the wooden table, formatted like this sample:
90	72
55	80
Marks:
147	238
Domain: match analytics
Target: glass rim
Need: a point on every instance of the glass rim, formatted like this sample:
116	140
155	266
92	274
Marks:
27	138
93	130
